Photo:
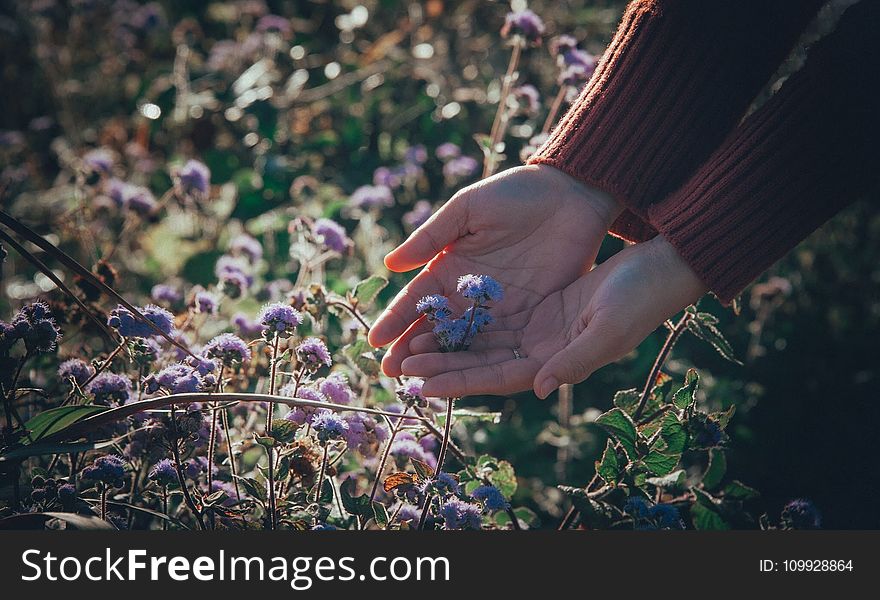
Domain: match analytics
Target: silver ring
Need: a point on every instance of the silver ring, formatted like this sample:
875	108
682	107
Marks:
516	353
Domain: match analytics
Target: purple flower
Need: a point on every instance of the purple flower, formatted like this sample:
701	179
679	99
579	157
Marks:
332	235
312	353
194	178
246	326
409	514
164	473
329	426
234	284
525	24
434	307
460	168
801	514
110	387
491	498
441	484
364	434
561	44
421	212
482	318
279	319
447	151
458	514
665	516
66	493
228	348
140	200
574	75
406	446
145	351
76	369
274	24
410	393
125	322
451	334
385	177
99	160
416	154
34	325
480	288
109	470
205	302
336	389
117	190
162	292
247	246
178	378
303	414
368	197
528	99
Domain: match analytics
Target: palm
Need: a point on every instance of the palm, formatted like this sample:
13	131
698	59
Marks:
534	232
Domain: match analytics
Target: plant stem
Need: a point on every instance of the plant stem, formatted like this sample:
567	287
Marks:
499	125
103	503
320	483
441	457
175	451
554	109
658	364
165	506
385	452
269	450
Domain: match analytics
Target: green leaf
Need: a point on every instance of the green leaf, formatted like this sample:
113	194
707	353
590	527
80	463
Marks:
707	331
265	441
362	356
736	490
367	290
284	431
723	418
627	400
685	396
620	426
355	505
252	487
57	419
380	514
706	519
675	479
500	473
715	470
660	463
608	467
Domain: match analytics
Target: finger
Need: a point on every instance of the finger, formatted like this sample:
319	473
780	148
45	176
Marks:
498	379
444	227
487	340
600	343
399	350
435	363
401	312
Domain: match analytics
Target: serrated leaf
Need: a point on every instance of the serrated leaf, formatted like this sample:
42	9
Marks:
709	332
355	505
627	400
608	467
715	470
252	487
500	473
706	519
362	356
685	396
736	490
284	431
367	290
673	437
660	463
380	514
620	426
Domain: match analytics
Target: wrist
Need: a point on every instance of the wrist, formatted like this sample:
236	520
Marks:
679	275
600	201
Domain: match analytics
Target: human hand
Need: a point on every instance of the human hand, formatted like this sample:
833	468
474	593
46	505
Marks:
534	229
596	320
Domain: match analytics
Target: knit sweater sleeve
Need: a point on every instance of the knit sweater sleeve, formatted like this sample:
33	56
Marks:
810	150
676	78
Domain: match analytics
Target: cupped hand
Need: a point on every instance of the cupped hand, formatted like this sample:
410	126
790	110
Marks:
596	320
534	229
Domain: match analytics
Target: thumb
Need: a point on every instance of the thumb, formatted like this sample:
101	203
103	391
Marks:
442	229
594	347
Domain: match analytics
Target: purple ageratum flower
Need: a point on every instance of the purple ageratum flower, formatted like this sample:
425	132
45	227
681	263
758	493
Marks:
528	98
35	326
390	178
434	306
247	246
203	365
801	514
410	393
665	516
140	200
228	348
66	493
109	470
417	154
162	292
441	484
99	160
336	389
457	514
460	168
332	235
329	426
490	497
364	434
561	44
8	337
574	75
525	24
451	334
480	288
117	190
312	353
303	414
178	378
482	319
124	321
246	326
369	197
164	473
420	213
108	388
447	151
194	178
406	447
76	369
274	24
279	319
581	58
205	302
234	284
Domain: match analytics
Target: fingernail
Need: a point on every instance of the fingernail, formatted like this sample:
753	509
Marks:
547	387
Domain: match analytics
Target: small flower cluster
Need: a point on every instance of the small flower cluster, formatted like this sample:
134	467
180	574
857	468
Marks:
34	326
128	325
657	516
108	470
457	334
